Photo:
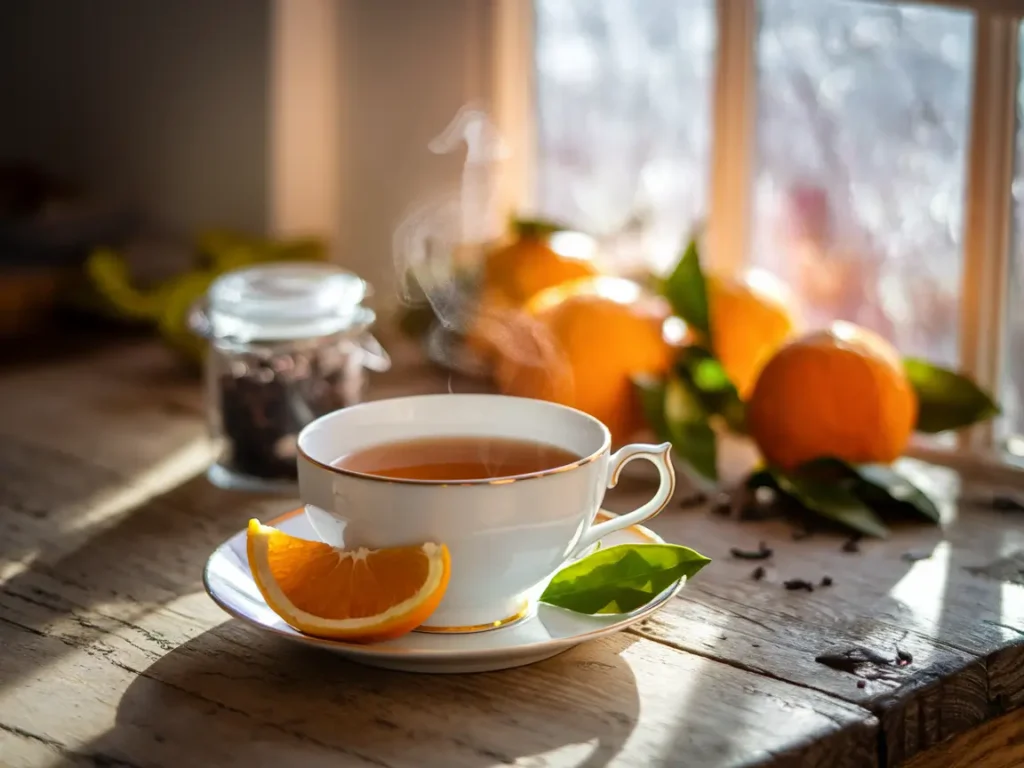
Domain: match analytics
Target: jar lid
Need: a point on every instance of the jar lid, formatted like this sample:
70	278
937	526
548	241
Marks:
286	301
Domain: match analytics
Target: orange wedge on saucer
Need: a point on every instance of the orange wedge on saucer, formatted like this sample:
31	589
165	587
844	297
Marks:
360	595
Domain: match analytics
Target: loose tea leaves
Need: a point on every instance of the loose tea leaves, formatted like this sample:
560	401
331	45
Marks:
763	552
795	584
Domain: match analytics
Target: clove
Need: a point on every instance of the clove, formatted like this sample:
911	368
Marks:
794	584
693	500
913	557
763	552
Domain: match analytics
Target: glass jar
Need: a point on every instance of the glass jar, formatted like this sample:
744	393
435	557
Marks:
287	344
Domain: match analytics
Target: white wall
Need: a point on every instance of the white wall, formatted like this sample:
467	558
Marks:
410	65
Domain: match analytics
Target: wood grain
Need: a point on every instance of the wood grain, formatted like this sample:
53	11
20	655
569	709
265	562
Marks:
997	744
112	655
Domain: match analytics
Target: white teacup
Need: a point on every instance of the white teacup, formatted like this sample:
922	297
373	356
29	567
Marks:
505	535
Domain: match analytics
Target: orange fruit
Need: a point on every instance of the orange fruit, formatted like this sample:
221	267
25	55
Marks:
580	343
749	320
360	595
839	392
532	262
514	273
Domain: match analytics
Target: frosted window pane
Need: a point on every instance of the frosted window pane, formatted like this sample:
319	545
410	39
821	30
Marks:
861	134
623	104
1012	394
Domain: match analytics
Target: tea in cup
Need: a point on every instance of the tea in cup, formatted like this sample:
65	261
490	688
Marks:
510	485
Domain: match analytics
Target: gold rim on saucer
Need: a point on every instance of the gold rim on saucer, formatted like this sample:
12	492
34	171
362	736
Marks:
519	615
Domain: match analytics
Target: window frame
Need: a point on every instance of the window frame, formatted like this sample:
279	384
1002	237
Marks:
990	156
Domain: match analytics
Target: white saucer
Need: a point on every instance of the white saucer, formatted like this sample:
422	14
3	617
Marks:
545	632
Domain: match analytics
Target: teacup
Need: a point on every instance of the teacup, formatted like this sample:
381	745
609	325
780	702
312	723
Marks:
506	536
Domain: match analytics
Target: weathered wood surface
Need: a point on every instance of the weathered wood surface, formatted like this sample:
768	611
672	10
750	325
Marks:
110	653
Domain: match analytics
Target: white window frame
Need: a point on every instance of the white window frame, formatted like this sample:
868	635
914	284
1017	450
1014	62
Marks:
989	174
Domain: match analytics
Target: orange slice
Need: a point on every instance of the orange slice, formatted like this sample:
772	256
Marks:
361	595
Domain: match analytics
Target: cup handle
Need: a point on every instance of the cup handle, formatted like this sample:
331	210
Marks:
659	456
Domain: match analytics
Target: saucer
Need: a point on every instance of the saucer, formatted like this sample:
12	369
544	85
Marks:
543	633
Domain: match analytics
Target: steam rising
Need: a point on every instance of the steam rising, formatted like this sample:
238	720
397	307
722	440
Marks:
443	235
440	243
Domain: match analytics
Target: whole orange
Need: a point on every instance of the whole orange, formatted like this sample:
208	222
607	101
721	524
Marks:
515	272
532	262
580	343
839	392
749	320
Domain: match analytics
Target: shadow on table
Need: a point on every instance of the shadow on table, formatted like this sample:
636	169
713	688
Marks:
217	702
145	557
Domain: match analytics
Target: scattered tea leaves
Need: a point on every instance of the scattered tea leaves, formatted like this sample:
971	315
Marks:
622	578
763	552
946	399
795	584
852	544
826	581
914	557
758	573
693	500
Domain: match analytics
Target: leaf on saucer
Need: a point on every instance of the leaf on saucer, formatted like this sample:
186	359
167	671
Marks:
622	578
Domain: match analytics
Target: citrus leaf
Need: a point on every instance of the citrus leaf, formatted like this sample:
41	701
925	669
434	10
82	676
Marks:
651	394
539	228
946	399
885	489
831	499
761	478
622	578
711	386
689	431
681	406
687	293
697	445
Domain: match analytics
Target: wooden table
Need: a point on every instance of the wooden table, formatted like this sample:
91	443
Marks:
112	655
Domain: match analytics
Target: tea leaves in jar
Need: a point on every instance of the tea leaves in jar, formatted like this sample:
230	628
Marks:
288	344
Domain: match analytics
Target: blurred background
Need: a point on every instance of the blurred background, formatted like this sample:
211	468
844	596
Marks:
177	134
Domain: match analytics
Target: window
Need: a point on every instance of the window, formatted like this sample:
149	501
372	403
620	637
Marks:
623	116
859	179
1013	342
873	168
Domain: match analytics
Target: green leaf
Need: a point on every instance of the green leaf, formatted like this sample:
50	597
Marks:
536	228
686	292
711	386
681	405
651	394
691	435
884	489
697	444
946	399
833	499
622	578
